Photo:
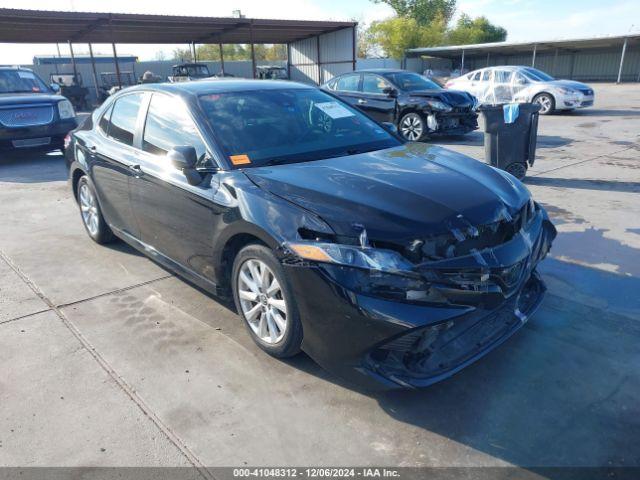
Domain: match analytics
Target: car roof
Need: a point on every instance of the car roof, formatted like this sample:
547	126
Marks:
212	86
14	67
382	70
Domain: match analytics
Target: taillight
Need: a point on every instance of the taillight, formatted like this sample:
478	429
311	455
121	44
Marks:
67	141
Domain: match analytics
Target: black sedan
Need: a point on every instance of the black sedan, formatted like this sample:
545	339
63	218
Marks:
418	107
390	264
32	114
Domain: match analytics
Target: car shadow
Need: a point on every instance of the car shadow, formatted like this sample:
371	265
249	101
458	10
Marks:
476	139
595	112
601	185
32	167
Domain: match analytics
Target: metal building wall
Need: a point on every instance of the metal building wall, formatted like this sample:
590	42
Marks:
319	59
587	65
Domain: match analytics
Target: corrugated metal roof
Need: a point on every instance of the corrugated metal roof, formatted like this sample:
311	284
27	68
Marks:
516	47
42	26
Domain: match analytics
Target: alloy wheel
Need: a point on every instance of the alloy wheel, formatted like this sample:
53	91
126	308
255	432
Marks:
262	301
89	209
545	102
412	127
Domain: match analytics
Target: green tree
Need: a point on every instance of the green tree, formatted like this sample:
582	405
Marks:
397	34
475	30
424	12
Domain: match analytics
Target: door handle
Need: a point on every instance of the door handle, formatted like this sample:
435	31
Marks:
136	168
361	101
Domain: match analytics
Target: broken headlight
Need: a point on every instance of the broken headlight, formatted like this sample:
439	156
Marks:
438	105
351	256
390	286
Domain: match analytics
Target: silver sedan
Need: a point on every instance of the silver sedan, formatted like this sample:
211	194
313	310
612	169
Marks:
506	84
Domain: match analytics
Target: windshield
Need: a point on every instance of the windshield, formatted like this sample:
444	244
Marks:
198	71
21	81
536	75
412	82
259	127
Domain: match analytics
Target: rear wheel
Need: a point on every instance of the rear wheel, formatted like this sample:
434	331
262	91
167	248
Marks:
412	127
91	214
264	300
547	103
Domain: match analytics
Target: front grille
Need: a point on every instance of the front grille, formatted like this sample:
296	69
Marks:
31	116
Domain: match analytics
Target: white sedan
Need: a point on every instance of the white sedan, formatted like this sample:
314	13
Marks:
507	84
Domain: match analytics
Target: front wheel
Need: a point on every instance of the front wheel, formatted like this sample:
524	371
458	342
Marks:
547	103
265	301
412	127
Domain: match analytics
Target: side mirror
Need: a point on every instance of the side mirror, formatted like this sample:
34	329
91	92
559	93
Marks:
55	87
390	92
184	158
390	127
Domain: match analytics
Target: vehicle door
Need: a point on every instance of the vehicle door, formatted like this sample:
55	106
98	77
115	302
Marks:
380	105
175	218
502	88
520	84
114	159
347	87
474	82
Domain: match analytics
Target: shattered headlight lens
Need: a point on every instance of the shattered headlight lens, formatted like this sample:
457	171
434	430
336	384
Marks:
438	105
383	285
367	258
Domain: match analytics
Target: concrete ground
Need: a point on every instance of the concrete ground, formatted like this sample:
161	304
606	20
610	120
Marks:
107	359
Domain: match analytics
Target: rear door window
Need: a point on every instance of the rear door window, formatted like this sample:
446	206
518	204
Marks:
348	83
124	117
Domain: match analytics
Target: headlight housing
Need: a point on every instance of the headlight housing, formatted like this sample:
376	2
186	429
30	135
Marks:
438	105
568	91
65	109
367	258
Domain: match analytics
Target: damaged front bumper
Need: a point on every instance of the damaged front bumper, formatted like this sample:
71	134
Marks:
475	302
452	123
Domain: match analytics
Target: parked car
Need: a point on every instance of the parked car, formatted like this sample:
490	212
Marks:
390	264
507	84
186	72
32	114
418	107
272	72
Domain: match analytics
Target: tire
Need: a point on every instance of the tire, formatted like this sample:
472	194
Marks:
271	318
518	170
547	103
412	127
91	214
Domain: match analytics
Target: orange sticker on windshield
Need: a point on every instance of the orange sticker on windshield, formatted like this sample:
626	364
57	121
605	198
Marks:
240	159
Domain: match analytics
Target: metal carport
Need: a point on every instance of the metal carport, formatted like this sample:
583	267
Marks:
316	50
614	58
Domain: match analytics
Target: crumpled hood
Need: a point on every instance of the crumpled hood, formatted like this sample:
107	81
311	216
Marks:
455	98
396	194
8	99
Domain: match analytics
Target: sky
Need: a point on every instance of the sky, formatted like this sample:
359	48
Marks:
525	20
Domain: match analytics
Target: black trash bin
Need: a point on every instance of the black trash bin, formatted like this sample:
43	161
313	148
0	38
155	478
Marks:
511	146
